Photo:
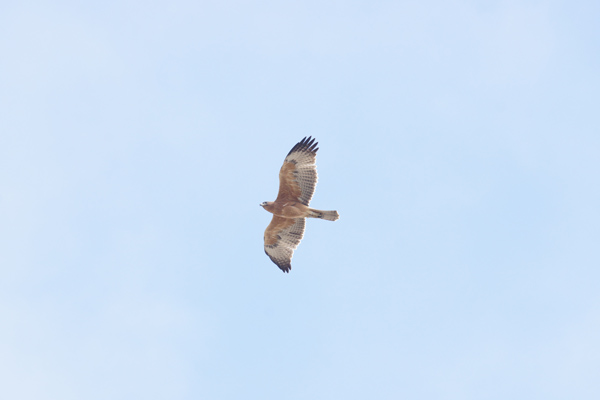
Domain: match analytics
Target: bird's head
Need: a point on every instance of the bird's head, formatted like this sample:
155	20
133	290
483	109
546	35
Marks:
264	203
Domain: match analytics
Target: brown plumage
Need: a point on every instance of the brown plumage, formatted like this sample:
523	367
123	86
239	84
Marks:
297	182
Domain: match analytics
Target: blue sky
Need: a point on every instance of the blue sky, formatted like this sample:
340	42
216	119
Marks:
459	142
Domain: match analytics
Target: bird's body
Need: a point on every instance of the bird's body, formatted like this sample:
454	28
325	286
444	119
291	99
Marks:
297	181
295	209
290	209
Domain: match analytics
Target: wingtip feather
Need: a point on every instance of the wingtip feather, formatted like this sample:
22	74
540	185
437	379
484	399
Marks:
307	144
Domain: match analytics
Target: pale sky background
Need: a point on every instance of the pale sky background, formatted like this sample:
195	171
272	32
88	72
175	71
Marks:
459	141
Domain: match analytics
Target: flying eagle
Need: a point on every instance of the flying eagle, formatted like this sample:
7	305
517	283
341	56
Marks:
297	181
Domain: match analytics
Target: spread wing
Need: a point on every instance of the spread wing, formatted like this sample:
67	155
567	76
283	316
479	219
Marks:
282	236
298	175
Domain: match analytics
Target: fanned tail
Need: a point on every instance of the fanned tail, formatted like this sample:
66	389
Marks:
328	215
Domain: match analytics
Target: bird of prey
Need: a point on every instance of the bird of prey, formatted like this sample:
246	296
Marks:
297	181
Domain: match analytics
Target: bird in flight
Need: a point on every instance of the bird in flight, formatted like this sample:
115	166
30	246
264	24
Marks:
297	181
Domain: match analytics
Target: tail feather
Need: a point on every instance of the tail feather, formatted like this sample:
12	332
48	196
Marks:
328	215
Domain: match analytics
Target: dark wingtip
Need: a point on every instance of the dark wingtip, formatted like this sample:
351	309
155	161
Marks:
285	268
307	144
